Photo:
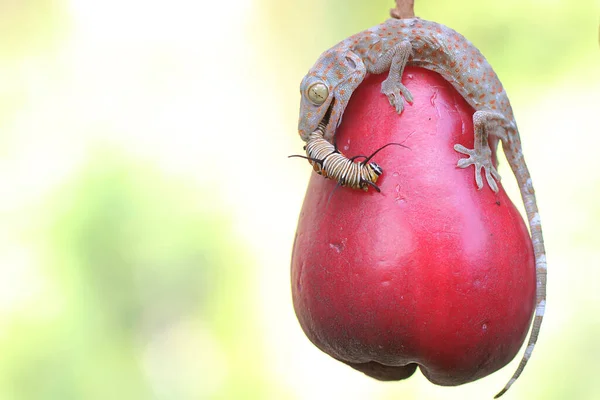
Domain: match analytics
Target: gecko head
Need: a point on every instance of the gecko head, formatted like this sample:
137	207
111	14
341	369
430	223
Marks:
326	89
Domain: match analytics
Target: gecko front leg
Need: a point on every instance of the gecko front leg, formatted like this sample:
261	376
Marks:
395	60
485	123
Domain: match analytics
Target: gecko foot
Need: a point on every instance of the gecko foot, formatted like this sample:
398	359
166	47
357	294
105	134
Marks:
480	159
395	91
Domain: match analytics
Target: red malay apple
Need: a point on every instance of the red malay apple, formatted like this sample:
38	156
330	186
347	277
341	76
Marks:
431	272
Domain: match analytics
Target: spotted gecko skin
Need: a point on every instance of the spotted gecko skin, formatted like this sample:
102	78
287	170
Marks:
391	46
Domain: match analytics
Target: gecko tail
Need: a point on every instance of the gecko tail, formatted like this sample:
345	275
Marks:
535	331
535	226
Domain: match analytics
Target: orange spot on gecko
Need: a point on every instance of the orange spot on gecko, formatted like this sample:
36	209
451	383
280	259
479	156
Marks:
493	101
419	25
470	79
477	81
481	96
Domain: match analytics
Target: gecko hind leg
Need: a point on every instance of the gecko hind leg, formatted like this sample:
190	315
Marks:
396	59
484	123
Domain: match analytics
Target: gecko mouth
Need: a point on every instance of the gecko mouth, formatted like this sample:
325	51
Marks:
325	121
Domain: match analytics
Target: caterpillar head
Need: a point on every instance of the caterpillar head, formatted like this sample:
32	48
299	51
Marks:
376	169
326	89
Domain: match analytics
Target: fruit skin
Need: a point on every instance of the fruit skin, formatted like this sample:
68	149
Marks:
431	271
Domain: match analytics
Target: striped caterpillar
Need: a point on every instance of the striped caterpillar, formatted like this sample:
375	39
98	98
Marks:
327	161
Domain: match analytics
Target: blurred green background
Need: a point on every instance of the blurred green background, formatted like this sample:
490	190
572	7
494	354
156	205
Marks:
148	207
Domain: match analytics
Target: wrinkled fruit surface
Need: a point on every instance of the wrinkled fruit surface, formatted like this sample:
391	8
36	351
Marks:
431	272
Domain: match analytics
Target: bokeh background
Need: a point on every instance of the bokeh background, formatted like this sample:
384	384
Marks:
148	208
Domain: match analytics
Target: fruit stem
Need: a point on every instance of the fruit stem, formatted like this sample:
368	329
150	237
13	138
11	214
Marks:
404	9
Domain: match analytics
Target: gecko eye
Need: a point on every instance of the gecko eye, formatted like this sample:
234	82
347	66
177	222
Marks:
317	93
